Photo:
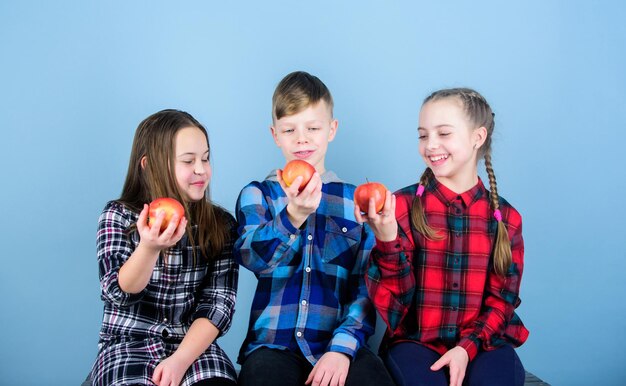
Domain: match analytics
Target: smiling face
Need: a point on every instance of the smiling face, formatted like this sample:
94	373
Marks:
306	134
449	144
192	167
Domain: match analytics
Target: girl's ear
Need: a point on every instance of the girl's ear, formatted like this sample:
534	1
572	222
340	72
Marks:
479	136
144	161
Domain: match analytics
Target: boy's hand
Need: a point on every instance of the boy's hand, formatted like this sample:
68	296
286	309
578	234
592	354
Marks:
383	224
456	359
301	204
330	370
151	239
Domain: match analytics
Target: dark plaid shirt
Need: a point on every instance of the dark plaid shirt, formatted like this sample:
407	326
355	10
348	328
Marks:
444	293
140	330
311	296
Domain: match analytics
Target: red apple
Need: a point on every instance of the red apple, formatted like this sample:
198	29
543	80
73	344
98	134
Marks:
168	205
297	168
363	193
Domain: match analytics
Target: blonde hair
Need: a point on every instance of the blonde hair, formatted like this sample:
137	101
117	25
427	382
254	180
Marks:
297	91
479	114
155	140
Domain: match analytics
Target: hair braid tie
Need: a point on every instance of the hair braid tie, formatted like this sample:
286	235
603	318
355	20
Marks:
498	215
420	190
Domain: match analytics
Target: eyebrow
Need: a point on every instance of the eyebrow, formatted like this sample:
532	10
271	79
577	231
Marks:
191	153
436	127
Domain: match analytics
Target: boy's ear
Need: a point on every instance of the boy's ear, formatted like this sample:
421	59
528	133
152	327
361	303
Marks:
273	131
480	136
334	124
144	161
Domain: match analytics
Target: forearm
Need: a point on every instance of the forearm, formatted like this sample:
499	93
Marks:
390	284
200	336
135	274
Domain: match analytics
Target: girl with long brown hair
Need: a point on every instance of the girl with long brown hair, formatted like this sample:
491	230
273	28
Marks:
168	294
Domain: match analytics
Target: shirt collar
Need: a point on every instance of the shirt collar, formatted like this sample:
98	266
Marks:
447	196
327	177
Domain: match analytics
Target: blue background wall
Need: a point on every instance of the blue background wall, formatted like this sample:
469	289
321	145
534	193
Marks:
77	77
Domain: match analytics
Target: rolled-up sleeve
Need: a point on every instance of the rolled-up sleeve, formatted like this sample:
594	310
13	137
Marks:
114	246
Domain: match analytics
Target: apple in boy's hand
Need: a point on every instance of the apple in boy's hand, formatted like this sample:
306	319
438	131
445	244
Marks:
168	205
363	193
297	168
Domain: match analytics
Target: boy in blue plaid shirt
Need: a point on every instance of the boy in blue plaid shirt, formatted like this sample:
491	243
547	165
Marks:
311	315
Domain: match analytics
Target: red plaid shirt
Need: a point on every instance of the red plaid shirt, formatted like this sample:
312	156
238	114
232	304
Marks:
444	293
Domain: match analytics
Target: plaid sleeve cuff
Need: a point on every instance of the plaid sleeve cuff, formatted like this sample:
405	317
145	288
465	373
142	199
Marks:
389	247
471	344
112	292
389	255
283	225
345	344
219	318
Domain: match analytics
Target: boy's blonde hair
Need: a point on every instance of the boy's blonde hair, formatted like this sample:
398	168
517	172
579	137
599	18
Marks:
296	92
479	113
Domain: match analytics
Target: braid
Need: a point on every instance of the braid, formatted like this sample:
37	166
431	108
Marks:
418	217
502	249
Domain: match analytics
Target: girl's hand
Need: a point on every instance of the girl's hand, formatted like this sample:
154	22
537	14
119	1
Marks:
169	372
151	239
301	204
383	224
456	359
330	370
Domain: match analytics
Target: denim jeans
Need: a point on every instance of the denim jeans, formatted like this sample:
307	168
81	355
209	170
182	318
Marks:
271	367
409	365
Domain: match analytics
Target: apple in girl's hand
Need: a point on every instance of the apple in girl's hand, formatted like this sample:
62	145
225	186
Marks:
168	205
297	168
363	193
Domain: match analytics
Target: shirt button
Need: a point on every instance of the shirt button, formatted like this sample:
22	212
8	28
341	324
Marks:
293	237
304	302
310	237
308	269
458	211
454	308
299	334
344	229
164	320
455	285
458	234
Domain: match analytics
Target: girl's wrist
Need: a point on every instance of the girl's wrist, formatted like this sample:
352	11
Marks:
148	250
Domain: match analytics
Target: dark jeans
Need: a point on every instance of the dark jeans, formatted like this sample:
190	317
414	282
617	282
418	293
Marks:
271	367
216	382
409	365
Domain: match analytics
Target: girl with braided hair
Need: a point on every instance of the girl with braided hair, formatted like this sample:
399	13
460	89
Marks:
446	269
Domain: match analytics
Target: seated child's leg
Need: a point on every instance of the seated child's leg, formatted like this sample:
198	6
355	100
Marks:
409	365
270	367
216	382
368	369
498	367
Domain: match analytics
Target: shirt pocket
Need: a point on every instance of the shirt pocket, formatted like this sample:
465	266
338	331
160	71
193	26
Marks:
341	244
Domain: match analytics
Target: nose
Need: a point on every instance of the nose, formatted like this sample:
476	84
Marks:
302	136
199	167
432	142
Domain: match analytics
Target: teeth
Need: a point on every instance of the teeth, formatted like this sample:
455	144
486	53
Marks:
438	158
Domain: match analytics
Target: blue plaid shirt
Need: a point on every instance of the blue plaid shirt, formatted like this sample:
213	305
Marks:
311	296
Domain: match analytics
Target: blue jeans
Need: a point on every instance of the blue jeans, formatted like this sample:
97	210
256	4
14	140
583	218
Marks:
409	365
271	367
